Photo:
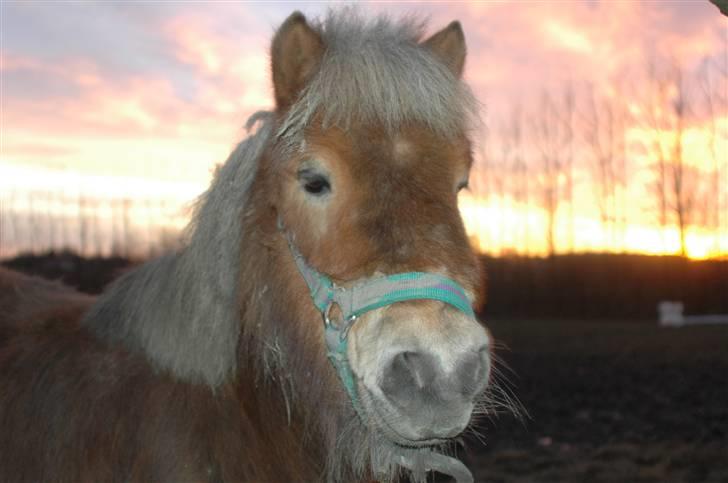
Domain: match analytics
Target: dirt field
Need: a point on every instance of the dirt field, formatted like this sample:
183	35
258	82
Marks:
609	401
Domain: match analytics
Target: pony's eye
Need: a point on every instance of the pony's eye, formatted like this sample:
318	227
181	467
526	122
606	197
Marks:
314	183
317	186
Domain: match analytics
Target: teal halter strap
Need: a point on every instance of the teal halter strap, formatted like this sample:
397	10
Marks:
373	293
368	294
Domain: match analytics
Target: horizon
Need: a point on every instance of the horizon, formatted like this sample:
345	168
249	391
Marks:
138	103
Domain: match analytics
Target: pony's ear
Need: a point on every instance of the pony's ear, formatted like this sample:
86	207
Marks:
449	46
295	54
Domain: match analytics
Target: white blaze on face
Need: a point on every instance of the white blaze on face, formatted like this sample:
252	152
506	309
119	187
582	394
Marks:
402	150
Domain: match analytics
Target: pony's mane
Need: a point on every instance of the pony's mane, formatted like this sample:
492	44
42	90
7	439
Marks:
182	309
374	71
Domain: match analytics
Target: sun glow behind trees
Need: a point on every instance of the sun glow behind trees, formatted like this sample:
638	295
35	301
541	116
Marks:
513	230
566	173
581	103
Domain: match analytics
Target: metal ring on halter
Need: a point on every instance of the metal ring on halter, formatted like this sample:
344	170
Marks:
332	301
343	326
327	313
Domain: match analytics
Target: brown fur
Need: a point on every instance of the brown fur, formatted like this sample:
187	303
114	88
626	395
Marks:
28	301
106	416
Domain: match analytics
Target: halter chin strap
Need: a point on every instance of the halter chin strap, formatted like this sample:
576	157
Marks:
368	294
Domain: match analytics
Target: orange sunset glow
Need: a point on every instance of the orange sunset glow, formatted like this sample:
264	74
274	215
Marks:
605	123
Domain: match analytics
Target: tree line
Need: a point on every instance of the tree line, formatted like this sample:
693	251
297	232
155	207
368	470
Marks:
624	143
41	220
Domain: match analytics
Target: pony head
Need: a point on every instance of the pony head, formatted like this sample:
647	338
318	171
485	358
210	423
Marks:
370	152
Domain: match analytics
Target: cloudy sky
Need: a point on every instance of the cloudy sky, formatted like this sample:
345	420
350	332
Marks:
161	90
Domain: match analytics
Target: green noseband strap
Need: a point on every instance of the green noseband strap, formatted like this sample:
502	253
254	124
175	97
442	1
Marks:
368	294
373	293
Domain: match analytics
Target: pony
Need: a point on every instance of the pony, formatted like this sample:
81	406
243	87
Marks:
210	363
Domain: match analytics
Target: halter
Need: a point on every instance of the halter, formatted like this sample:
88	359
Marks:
367	294
364	295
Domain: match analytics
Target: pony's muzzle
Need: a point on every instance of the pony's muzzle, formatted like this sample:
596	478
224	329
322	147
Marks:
430	398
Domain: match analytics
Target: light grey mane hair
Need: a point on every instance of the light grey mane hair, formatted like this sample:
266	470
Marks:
182	309
375	71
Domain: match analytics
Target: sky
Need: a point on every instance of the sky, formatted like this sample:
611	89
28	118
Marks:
134	97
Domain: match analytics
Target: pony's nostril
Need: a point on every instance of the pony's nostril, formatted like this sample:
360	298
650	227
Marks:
417	375
413	363
472	373
408	371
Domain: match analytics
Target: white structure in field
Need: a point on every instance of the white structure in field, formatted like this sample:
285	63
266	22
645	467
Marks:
671	315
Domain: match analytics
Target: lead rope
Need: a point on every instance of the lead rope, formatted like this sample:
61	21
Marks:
366	295
422	461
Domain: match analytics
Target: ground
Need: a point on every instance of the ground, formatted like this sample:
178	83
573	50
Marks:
609	401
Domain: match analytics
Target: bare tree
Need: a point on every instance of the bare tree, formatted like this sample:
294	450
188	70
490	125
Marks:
568	155
128	236
117	228
8	223
656	99
519	172
83	220
98	231
681	197
506	181
604	135
678	184
713	81
683	181
552	132
500	180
